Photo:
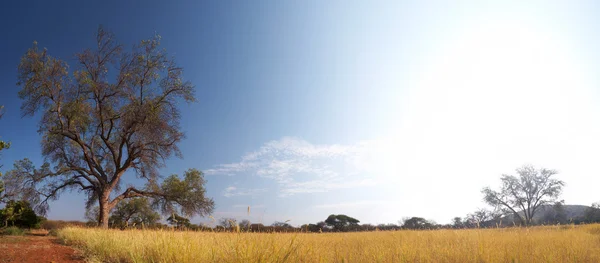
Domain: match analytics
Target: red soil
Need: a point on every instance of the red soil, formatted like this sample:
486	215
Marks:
36	249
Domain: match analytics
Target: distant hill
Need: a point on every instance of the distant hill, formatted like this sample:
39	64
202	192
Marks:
572	212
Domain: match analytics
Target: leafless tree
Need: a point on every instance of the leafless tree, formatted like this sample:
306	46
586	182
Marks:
522	195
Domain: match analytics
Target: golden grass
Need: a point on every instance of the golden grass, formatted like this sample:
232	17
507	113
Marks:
538	244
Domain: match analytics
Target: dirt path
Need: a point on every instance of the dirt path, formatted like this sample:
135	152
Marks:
34	249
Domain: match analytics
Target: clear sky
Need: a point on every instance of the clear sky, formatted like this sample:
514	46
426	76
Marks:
378	110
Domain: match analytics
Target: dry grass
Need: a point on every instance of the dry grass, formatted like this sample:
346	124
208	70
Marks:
538	244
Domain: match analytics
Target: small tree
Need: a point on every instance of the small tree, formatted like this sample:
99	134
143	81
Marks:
136	211
228	223
245	224
116	112
19	214
178	221
457	222
417	223
522	195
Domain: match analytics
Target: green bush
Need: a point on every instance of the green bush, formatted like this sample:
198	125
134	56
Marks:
19	214
13	231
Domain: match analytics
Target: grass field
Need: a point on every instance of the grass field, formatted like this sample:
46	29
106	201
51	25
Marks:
538	244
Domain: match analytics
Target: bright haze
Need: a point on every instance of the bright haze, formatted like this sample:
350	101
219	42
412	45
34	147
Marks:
377	110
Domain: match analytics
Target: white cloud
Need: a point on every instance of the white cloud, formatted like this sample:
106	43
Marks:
301	167
234	191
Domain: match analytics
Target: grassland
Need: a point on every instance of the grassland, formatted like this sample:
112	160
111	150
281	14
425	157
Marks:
538	244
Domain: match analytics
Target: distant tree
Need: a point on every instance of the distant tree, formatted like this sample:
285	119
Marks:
135	211
228	223
20	214
310	228
560	215
556	215
367	227
479	218
592	214
281	224
457	222
91	215
96	129
417	223
341	222
257	227
522	195
388	227
178	221
245	224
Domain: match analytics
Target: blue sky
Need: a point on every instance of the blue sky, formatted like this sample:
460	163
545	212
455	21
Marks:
379	110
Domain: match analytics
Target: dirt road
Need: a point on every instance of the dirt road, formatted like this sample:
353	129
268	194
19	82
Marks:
36	249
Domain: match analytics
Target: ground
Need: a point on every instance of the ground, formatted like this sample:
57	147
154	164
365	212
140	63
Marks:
36	249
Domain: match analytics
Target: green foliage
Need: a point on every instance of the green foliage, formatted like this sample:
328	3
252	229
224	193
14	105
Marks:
417	223
13	231
134	212
189	194
341	222
19	214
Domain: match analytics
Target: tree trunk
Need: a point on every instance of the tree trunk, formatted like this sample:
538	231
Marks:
103	211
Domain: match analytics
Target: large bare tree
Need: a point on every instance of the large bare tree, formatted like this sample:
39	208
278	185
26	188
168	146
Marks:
116	115
522	195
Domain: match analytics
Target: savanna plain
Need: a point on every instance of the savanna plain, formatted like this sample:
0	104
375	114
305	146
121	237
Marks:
563	243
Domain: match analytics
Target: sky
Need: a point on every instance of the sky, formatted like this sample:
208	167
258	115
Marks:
380	110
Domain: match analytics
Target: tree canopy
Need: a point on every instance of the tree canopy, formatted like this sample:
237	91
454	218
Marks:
117	111
417	223
522	195
341	222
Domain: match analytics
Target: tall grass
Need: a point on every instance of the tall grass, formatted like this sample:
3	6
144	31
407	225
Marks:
538	244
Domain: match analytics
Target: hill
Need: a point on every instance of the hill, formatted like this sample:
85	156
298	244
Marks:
545	212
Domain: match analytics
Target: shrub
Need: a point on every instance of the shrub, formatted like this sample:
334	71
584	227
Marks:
13	231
